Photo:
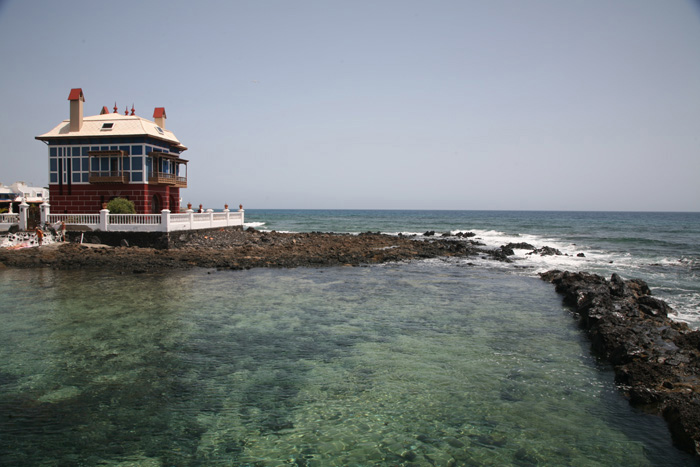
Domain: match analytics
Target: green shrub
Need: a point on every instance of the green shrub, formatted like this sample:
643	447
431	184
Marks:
121	206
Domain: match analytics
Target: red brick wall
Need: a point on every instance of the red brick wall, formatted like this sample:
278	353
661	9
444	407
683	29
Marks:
88	199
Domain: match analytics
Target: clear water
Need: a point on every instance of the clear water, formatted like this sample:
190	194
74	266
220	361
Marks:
662	248
428	364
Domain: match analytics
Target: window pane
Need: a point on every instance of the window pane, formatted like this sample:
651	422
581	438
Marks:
136	176
54	178
136	150
76	178
86	164
126	163
76	164
95	164
86	177
53	165
53	152
136	163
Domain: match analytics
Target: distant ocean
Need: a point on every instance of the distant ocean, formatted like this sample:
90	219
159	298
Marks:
662	248
427	363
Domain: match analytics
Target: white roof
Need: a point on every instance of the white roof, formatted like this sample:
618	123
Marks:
33	194
123	125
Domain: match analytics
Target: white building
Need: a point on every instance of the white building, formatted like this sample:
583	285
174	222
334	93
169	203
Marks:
18	191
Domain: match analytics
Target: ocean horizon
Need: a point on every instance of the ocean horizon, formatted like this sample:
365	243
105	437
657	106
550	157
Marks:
435	362
662	248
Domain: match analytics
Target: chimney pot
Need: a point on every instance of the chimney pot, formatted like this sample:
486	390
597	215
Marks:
159	116
76	99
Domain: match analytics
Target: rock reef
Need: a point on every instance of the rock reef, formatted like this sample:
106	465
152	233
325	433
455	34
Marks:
241	249
656	360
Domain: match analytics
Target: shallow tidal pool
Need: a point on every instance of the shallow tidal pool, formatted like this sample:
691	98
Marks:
428	364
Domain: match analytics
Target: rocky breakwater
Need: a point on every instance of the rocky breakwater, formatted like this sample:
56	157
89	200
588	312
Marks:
241	249
656	360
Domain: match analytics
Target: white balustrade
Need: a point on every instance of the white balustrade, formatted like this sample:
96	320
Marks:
88	220
164	222
134	219
9	218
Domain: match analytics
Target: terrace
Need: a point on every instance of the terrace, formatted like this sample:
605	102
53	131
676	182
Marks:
107	222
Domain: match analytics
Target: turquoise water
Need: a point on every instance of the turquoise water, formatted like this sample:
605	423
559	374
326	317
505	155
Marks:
431	363
661	248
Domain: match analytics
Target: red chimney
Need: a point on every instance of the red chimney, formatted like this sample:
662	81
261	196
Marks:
159	116
76	99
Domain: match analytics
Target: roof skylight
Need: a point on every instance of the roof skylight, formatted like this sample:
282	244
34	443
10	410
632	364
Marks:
107	126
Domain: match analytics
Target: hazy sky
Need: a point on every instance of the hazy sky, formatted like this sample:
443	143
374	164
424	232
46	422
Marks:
498	104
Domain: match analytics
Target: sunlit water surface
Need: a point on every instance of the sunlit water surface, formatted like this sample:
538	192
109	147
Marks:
428	364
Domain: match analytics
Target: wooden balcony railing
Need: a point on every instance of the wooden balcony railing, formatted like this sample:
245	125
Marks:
108	177
160	178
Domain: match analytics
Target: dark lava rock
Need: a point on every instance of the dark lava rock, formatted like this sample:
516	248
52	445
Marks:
240	249
546	251
507	250
500	254
656	359
519	246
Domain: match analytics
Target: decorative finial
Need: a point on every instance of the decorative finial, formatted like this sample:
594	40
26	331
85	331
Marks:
126	111
115	107
133	112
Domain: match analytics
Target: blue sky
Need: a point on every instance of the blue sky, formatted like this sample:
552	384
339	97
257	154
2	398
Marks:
499	104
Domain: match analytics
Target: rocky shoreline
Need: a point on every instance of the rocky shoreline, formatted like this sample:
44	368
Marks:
244	249
656	360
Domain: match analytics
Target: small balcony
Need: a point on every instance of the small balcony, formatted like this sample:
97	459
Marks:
166	170
108	177
160	178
